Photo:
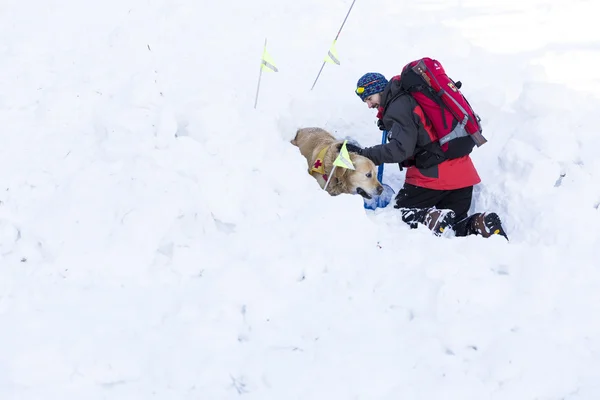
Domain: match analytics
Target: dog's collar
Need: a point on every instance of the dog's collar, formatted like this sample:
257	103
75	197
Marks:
319	165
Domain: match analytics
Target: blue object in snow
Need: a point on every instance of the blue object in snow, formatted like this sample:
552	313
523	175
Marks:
388	193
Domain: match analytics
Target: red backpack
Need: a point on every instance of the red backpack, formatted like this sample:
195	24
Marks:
450	113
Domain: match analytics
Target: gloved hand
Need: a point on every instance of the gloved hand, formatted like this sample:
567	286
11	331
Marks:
351	148
380	125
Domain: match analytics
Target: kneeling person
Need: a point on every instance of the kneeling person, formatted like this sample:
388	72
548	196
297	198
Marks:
436	194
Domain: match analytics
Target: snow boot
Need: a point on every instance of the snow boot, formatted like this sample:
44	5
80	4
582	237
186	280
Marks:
438	220
486	225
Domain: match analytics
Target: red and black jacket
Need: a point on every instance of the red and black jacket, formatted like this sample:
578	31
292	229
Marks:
412	143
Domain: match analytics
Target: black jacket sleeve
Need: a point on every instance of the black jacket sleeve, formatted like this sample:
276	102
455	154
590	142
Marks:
403	129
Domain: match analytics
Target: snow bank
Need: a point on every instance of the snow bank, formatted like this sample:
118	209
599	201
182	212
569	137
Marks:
160	237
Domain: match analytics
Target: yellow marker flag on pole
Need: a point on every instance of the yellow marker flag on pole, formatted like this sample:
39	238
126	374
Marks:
332	57
266	64
343	159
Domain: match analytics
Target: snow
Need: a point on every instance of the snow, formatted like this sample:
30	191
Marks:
160	237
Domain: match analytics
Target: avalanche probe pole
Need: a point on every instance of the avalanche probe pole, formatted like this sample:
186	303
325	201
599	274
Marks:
260	74
334	40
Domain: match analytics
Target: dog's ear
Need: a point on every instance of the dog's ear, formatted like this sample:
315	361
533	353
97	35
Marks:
340	172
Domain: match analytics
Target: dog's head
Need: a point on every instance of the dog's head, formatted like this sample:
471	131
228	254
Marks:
363	179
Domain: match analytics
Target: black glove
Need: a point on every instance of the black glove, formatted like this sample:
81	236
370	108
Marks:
351	148
380	125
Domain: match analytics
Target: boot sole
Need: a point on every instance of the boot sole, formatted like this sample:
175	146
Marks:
494	225
445	222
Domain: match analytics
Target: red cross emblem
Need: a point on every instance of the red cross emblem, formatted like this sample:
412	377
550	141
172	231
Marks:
317	163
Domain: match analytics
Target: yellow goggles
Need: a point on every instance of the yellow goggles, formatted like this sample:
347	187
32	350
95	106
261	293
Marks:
361	89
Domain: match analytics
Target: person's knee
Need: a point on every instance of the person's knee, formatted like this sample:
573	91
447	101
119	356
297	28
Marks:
412	216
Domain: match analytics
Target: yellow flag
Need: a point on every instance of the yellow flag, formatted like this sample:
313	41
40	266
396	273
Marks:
332	56
267	63
343	159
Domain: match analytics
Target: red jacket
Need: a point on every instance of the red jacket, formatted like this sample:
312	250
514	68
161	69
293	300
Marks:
451	174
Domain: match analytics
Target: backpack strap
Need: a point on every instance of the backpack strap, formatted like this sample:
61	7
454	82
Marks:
383	108
402	92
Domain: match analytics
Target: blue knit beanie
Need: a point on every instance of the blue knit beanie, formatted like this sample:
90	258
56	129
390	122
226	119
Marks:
370	83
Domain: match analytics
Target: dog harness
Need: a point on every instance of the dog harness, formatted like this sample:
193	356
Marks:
319	166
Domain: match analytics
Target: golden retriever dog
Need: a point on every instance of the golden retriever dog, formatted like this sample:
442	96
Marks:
319	148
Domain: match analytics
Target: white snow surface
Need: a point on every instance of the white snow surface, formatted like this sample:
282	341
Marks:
161	239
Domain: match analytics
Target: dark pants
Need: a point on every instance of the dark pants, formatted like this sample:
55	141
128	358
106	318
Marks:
415	202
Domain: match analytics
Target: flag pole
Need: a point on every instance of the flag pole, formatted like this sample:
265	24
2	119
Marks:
260	74
334	40
342	160
329	177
